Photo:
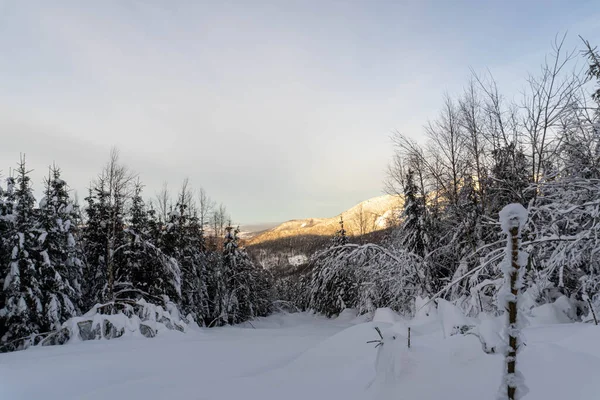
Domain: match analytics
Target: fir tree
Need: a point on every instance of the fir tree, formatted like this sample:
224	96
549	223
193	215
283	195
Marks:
593	67
340	238
6	231
509	178
151	274
105	238
412	232
247	293
22	312
95	244
60	257
183	240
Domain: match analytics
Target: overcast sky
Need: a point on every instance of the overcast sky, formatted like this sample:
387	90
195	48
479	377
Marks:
279	109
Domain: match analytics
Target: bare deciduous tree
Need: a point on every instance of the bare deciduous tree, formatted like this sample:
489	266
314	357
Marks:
547	101
163	200
117	181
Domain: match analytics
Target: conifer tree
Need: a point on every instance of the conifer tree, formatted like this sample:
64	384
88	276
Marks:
22	310
247	290
340	238
412	232
151	274
94	243
509	178
6	232
593	71
104	236
183	240
60	257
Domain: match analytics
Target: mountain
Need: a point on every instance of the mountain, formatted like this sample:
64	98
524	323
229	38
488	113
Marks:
368	216
249	231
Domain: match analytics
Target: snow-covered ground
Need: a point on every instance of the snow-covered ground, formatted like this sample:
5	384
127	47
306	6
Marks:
302	356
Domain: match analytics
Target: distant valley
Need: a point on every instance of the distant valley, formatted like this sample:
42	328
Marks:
291	243
368	216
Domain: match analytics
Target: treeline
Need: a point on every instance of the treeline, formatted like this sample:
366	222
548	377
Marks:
484	152
59	260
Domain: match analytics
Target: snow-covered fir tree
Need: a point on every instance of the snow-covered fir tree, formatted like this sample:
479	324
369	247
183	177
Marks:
95	246
244	288
7	203
60	260
183	241
104	235
22	311
151	274
412	229
340	238
509	177
334	285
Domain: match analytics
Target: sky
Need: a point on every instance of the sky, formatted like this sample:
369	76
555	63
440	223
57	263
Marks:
279	109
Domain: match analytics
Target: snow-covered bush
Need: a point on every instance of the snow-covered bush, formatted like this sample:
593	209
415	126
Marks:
365	277
138	319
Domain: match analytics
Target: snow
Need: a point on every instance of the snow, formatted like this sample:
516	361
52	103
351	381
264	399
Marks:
561	312
297	260
300	356
452	318
424	307
45	258
386	315
512	215
42	237
43	202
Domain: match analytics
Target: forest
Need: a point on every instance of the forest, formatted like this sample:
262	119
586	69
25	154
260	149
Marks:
483	151
118	255
71	269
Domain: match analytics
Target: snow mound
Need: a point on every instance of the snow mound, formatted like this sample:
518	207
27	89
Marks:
424	307
561	311
392	363
348	314
104	322
386	315
452	319
303	356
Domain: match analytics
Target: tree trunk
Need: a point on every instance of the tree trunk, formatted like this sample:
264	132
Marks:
512	309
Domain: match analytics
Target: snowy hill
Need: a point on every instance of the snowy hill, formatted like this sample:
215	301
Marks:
370	215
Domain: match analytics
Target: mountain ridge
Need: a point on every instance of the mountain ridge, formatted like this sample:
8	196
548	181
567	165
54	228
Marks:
370	215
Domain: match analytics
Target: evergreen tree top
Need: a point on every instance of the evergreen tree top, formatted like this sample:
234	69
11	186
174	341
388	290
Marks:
340	238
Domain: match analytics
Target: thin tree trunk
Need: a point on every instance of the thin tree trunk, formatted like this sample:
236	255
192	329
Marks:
512	309
592	309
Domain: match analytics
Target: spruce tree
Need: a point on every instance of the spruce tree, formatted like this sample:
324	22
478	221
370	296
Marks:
6	232
340	238
151	274
60	257
509	178
183	240
593	71
247	293
412	232
22	312
95	243
105	239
